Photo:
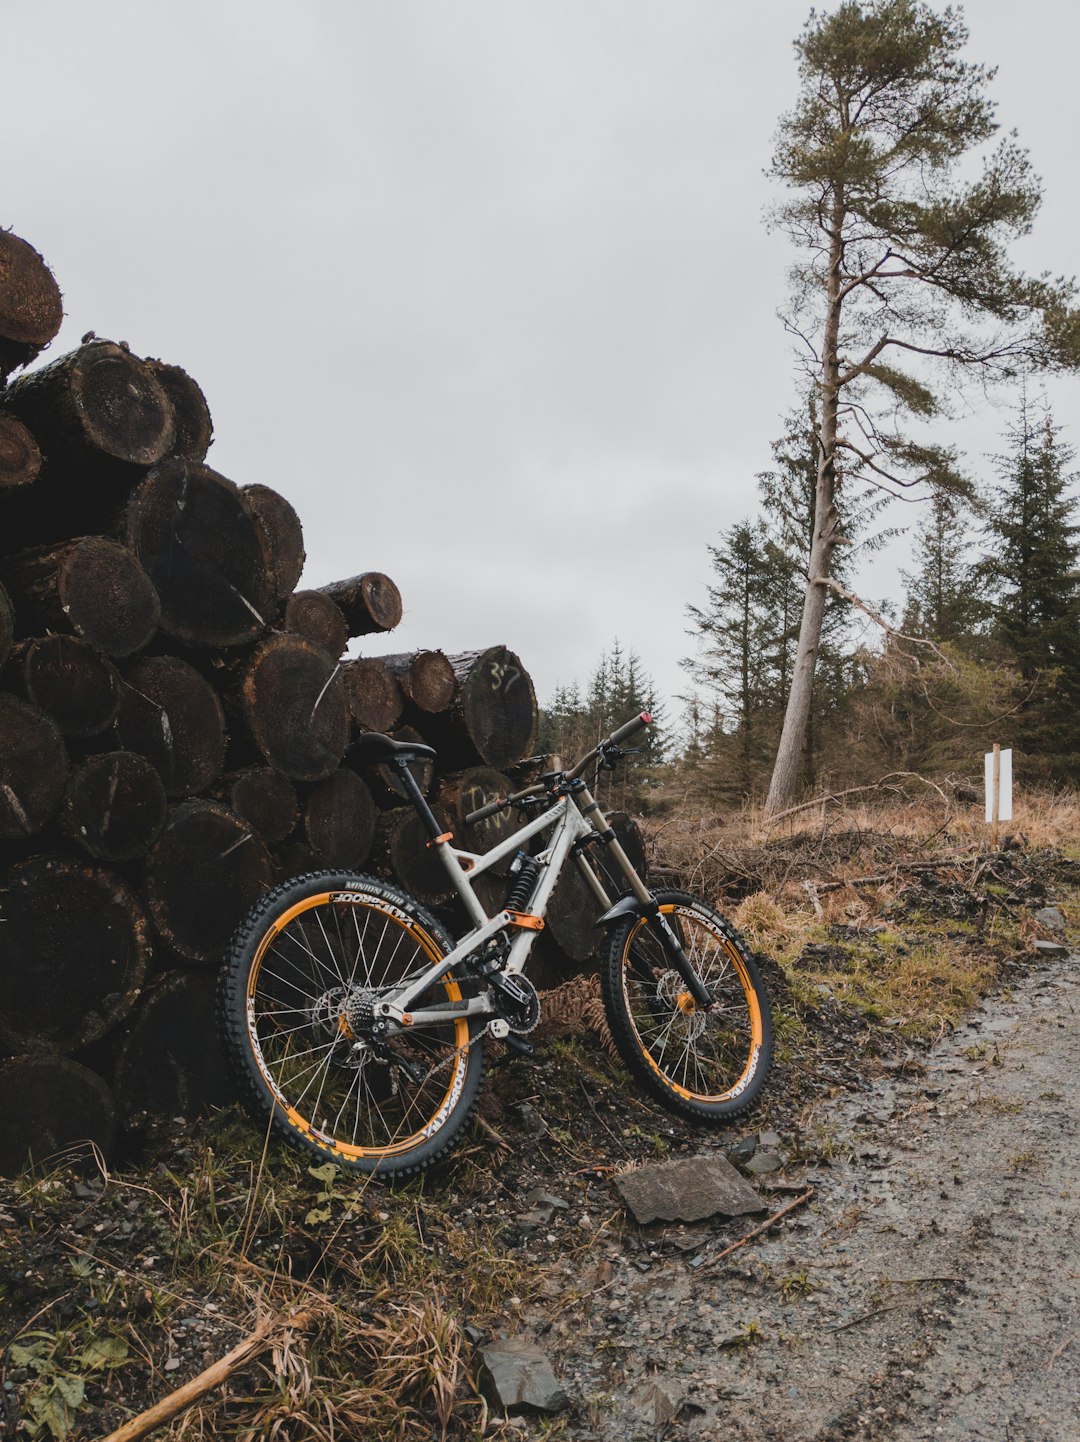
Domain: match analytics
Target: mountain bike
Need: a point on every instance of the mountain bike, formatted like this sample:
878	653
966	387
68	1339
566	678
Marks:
356	1027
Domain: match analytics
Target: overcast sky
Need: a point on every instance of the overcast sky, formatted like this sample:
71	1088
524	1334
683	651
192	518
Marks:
482	286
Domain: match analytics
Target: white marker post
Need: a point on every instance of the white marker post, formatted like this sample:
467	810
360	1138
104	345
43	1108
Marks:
997	767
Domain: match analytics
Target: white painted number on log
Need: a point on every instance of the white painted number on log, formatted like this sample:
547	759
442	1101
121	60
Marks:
501	673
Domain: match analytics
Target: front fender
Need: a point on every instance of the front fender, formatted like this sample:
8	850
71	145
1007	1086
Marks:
627	905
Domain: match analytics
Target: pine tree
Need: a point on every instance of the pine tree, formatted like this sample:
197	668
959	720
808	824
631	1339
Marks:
904	276
944	598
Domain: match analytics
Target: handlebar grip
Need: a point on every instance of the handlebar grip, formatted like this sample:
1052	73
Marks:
631	728
499	804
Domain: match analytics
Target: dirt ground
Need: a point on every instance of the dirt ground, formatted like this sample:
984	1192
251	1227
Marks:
929	1290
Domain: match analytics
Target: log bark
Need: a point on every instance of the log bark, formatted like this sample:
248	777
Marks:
172	716
33	769
31	307
369	603
170	1063
74	956
426	679
293	700
492	718
50	1108
92	586
384	780
72	682
206	870
7	626
20	458
468	790
374	697
114	806
311	614
401	851
284	537
265	800
207	554
340	819
194	427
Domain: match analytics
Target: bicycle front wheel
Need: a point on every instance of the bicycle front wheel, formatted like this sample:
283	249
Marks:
707	1064
296	1011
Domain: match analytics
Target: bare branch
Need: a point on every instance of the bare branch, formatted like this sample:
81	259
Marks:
880	620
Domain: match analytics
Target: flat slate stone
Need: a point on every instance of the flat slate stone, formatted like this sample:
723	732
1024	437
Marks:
517	1375
687	1190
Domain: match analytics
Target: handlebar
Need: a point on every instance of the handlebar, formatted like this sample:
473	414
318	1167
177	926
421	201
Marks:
492	808
624	733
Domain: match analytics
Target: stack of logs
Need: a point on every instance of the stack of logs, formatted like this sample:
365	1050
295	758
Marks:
176	733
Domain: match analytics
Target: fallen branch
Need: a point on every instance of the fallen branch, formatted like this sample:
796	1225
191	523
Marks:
798	1202
866	1317
882	784
264	1336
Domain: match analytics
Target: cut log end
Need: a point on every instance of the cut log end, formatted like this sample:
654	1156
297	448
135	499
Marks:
31	307
20	458
369	603
53	1110
311	614
194	428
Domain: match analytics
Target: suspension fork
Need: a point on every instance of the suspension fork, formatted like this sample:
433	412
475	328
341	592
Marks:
647	905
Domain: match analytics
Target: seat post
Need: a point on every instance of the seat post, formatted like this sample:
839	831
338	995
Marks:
416	796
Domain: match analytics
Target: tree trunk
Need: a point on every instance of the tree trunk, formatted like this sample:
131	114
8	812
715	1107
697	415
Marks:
170	1063
369	603
203	548
114	806
294	702
284	537
72	682
92	586
492	718
31	307
207	869
311	614
426	679
20	458
374	697
194	428
51	1108
74	956
33	769
340	820
172	716
785	777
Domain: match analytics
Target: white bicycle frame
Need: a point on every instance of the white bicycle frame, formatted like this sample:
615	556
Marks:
569	825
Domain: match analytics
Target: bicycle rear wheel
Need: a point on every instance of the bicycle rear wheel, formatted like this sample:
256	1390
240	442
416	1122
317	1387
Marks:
295	1007
704	1064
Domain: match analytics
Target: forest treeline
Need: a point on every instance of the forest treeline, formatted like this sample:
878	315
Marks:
983	646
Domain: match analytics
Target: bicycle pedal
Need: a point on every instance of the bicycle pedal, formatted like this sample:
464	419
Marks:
517	1049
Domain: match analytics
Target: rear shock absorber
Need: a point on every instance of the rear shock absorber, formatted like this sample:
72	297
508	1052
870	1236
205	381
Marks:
526	873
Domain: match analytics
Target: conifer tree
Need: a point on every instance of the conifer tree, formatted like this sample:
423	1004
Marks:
904	280
944	598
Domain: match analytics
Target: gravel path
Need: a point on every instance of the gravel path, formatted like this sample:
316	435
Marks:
931	1290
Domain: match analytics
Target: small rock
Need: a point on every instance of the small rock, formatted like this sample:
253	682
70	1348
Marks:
742	1151
769	1140
659	1401
687	1190
762	1162
1052	919
535	1217
517	1376
538	1197
1050	948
